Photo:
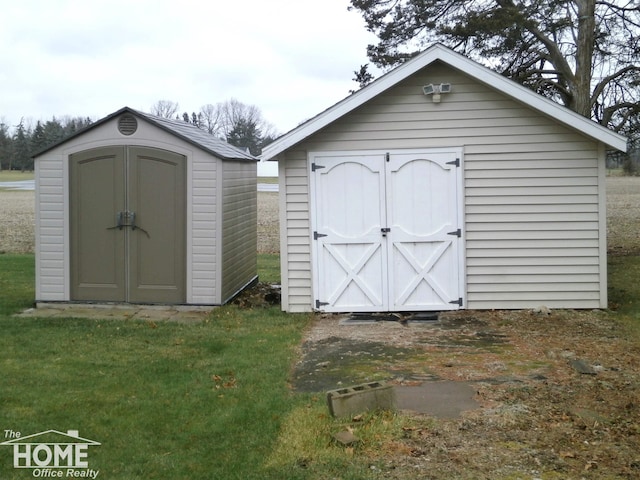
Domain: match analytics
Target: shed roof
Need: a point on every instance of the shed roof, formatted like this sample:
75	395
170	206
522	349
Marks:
479	72
186	131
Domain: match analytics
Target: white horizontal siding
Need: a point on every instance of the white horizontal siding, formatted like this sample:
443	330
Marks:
533	199
204	234
50	230
295	240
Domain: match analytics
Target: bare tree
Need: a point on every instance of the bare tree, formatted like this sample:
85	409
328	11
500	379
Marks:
212	119
229	116
165	108
234	112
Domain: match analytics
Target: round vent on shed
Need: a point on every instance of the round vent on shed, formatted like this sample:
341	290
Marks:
127	124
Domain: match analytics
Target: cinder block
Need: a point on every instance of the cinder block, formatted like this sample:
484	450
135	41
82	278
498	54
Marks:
361	398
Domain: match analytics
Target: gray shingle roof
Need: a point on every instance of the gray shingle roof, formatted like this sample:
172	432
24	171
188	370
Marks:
183	130
199	138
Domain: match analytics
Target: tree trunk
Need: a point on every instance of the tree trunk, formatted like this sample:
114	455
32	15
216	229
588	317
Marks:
581	101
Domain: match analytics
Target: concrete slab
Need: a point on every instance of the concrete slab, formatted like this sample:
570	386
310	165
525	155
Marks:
442	399
151	313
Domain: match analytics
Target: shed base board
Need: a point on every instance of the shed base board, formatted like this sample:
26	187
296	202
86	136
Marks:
122	306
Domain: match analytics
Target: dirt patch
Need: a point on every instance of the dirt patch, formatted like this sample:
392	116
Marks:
261	295
539	417
268	224
17	217
334	362
623	215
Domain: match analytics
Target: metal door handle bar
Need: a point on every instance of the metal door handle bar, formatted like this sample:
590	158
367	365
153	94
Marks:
130	217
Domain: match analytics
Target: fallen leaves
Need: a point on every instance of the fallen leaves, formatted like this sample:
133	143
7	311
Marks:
227	381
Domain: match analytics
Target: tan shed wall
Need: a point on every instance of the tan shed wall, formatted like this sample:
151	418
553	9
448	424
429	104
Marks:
239	226
534	192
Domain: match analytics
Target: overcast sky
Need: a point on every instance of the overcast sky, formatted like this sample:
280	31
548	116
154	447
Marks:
291	58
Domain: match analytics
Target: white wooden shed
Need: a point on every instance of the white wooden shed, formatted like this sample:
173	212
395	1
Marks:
443	185
142	209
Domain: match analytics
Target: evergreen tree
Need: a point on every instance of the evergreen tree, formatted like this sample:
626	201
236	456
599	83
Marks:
246	135
584	54
6	148
53	132
22	149
38	140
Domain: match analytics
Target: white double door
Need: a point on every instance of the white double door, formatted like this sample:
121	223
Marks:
386	230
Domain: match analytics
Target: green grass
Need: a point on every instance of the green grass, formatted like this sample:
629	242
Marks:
15	176
269	267
267	179
165	400
624	289
168	400
17	288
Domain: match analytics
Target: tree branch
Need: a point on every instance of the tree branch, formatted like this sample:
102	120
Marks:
609	111
606	80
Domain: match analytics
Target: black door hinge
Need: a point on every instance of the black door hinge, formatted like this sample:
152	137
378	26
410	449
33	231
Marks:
317	235
457	302
315	166
456	162
320	304
457	233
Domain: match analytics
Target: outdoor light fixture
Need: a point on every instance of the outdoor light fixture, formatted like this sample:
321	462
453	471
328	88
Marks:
436	90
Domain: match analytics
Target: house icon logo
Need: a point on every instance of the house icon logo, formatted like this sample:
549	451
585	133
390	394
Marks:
52	453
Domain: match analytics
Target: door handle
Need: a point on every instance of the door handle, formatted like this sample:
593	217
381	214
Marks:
119	224
132	216
385	231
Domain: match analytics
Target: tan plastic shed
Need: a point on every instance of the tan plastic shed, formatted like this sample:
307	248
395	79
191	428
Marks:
142	209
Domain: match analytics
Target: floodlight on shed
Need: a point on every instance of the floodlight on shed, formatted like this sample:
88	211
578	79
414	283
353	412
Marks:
436	90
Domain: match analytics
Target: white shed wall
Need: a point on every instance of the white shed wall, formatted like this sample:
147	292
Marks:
52	211
534	192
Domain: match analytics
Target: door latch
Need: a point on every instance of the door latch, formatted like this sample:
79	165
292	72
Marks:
127	219
384	231
119	222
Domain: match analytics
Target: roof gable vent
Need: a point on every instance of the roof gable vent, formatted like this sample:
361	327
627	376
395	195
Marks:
127	124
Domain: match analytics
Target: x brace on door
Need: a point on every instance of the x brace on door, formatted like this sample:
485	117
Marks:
352	273
423	272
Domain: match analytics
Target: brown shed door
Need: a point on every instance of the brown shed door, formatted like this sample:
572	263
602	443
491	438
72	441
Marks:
128	229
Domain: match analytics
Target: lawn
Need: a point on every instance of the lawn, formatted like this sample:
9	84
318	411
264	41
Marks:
165	400
169	400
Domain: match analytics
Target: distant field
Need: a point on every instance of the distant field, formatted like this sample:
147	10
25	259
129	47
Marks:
14	176
623	218
271	180
17	217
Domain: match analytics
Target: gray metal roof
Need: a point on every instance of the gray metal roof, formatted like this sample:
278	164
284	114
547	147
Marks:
183	130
